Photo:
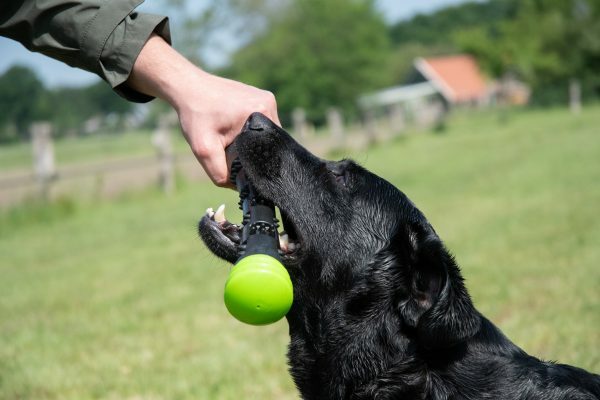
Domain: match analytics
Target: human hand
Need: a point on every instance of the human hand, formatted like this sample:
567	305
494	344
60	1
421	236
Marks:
212	110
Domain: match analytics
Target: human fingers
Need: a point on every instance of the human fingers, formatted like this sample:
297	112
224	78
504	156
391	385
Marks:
269	107
211	156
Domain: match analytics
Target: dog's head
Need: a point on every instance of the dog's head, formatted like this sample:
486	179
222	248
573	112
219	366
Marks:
356	240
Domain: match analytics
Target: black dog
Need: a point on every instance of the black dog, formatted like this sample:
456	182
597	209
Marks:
380	308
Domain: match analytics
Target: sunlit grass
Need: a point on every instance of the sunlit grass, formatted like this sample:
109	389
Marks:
120	300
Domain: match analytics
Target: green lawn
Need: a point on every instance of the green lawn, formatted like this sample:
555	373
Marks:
120	300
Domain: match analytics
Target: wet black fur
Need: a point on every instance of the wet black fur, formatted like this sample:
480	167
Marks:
380	308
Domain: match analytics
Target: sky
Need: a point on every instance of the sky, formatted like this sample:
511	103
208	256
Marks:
54	73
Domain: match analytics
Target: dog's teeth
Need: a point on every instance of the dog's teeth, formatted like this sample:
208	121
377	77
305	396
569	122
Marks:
284	241
291	247
220	214
210	212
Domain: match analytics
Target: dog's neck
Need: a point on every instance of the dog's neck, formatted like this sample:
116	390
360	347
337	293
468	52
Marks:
332	357
332	350
336	351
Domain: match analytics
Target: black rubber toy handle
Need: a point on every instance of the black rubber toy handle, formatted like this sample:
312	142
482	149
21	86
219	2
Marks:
259	231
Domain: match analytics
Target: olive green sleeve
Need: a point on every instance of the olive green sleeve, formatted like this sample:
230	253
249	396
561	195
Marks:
100	36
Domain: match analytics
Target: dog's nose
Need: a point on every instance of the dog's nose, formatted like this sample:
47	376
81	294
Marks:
257	122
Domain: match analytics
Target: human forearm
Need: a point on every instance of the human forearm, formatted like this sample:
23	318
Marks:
103	37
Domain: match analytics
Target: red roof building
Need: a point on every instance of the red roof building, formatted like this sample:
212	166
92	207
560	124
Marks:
452	80
457	78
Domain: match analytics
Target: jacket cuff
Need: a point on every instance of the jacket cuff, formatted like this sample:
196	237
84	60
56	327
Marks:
119	33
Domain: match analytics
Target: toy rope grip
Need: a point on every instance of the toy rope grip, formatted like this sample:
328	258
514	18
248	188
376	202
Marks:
259	232
258	290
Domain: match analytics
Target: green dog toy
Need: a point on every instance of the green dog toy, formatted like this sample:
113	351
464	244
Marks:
258	290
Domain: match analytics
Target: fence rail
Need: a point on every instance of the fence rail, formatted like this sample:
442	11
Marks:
111	177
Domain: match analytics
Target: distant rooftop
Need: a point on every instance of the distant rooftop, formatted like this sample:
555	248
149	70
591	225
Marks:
457	77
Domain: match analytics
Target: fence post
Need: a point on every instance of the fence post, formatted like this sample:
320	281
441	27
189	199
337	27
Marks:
164	152
371	126
43	157
299	122
335	124
396	119
575	96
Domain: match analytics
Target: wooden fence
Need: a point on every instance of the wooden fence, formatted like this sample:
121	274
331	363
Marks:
108	178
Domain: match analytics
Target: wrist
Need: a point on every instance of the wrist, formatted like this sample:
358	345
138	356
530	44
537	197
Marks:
183	91
162	72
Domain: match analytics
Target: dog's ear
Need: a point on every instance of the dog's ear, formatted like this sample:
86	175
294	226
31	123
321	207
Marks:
435	304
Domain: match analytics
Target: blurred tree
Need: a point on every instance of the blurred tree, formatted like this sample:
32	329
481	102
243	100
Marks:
436	28
218	27
104	101
546	43
23	99
315	55
402	58
72	107
469	27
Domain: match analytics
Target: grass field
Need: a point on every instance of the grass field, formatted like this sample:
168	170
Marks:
120	300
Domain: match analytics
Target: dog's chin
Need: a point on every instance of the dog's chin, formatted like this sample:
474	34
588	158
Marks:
223	238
